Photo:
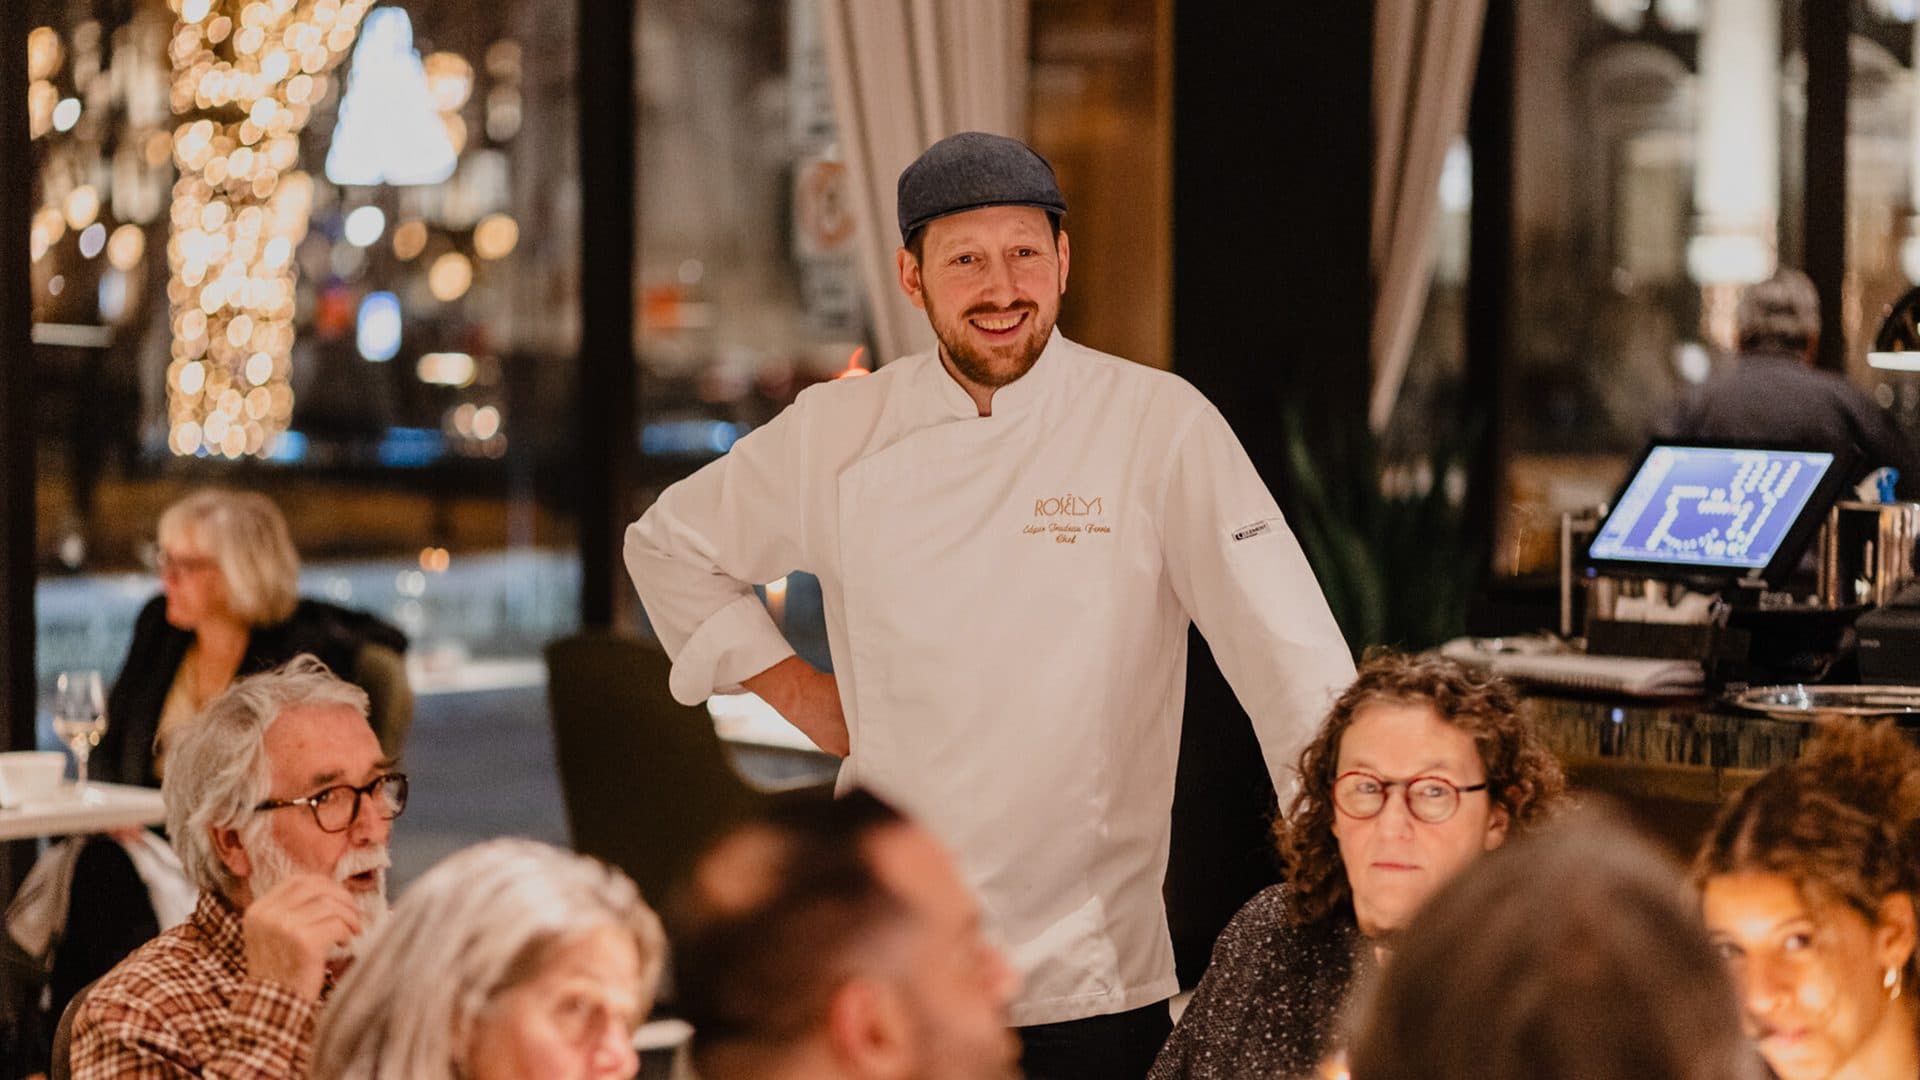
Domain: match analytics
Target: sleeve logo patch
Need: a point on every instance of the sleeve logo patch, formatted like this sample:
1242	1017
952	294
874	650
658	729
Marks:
1248	532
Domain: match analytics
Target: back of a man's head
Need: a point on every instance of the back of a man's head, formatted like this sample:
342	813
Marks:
1576	953
780	913
1780	314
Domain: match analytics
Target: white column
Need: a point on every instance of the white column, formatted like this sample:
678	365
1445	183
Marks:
1736	190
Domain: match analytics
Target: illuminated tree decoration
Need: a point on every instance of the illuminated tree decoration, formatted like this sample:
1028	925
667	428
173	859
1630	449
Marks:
389	130
246	76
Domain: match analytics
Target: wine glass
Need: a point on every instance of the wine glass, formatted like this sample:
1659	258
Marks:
79	717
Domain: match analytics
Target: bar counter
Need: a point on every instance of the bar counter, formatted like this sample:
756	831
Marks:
1670	762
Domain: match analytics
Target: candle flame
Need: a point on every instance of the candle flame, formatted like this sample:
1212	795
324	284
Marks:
853	365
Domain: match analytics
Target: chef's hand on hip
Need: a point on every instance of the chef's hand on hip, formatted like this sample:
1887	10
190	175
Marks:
291	928
808	698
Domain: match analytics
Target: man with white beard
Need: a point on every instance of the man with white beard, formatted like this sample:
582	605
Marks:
279	802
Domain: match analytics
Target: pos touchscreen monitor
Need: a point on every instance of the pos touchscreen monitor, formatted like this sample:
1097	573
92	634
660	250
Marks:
1725	512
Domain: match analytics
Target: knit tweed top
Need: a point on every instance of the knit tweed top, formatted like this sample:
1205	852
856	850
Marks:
1271	1000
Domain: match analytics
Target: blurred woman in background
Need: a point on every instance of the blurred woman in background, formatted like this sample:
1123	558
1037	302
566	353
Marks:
1807	884
230	605
1420	767
511	960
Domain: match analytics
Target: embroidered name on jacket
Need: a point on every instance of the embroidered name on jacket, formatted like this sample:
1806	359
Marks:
1064	518
1068	506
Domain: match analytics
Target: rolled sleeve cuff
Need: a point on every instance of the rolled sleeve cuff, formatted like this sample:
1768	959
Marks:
735	643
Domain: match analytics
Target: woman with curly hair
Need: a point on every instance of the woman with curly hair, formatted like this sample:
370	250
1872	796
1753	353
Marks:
1807	884
1420	766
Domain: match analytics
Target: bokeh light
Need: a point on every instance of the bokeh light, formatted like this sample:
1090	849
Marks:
409	240
82	207
66	114
450	277
496	236
93	239
44	52
126	247
449	80
377	333
365	225
486	422
446	369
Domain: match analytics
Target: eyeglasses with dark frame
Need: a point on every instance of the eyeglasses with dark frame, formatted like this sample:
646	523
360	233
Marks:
334	812
1432	799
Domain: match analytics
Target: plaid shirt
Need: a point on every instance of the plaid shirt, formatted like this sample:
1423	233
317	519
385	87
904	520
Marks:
182	1005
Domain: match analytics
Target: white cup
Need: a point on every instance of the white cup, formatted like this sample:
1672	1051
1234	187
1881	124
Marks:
30	775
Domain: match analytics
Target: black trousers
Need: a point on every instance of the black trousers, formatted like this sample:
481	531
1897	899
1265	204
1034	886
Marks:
1120	1046
108	916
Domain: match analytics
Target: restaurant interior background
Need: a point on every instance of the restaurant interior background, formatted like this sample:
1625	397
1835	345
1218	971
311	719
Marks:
397	324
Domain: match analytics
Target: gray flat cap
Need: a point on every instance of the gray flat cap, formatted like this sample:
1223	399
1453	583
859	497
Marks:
971	170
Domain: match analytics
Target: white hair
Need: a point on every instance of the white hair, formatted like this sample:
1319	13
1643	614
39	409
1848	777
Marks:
217	768
481	922
246	537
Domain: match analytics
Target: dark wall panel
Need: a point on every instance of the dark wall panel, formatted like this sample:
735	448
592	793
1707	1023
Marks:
1272	295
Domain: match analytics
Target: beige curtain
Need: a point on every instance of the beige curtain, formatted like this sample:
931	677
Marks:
907	73
1425	53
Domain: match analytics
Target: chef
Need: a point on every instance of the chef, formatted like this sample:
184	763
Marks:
1012	533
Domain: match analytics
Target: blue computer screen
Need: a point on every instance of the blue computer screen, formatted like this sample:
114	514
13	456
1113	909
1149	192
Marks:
1714	508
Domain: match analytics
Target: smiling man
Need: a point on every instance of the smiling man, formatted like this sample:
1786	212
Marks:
1012	534
279	802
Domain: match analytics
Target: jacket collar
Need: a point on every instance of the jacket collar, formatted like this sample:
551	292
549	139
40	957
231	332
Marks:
1015	397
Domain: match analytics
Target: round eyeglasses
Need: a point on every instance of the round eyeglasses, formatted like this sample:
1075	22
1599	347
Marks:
335	809
1431	799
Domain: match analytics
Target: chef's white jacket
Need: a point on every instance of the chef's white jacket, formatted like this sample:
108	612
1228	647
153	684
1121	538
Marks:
1007	600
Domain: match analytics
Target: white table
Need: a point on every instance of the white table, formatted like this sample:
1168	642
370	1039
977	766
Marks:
103	808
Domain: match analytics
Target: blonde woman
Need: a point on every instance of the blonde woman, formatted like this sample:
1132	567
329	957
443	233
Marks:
229	606
511	959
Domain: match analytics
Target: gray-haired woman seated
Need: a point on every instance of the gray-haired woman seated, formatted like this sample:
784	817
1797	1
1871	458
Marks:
511	959
1419	767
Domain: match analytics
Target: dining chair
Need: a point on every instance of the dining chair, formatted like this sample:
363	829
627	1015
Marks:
60	1064
382	672
645	779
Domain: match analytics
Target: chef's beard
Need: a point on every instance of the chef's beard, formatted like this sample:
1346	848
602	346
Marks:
272	865
978	366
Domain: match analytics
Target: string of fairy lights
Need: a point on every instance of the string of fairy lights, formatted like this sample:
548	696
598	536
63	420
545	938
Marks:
172	150
246	75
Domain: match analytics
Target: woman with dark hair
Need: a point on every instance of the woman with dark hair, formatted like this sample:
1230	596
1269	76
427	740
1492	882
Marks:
1573	955
1807	884
1419	767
